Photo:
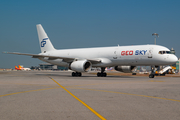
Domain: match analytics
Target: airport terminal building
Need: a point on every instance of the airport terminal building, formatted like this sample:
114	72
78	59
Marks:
48	66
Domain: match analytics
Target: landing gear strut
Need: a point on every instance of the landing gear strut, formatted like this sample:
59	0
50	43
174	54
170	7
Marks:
152	72
77	74
102	73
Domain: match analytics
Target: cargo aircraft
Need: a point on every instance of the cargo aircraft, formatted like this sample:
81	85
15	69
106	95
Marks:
122	58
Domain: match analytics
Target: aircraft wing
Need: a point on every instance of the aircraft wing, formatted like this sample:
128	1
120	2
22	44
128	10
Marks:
49	57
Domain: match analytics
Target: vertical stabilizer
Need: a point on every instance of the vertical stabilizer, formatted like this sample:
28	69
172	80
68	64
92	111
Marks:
19	67
44	41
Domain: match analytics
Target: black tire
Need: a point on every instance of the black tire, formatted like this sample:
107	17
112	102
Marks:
98	74
133	73
151	76
73	74
104	74
79	74
101	74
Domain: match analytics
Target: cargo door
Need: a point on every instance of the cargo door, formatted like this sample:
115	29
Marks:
115	54
150	53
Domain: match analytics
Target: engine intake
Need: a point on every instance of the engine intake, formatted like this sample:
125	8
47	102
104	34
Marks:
125	69
80	66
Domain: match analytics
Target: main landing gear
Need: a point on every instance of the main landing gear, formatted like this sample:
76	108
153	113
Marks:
77	74
102	73
152	72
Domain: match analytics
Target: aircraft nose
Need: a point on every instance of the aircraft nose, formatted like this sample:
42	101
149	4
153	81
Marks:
174	59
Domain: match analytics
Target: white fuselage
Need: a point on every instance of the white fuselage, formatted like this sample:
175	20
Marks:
138	55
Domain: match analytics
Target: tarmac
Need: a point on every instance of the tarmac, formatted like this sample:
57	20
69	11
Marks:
55	95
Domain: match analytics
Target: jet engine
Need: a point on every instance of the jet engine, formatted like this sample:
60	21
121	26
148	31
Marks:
125	69
80	66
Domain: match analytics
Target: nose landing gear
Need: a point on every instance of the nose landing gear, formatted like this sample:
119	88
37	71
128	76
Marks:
152	72
151	76
102	73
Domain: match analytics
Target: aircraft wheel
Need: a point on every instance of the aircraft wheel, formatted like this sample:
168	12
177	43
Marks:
104	74
133	73
77	74
98	74
101	74
73	74
151	76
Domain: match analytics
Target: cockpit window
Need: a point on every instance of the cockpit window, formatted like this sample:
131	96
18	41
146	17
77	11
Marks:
165	52
160	52
168	52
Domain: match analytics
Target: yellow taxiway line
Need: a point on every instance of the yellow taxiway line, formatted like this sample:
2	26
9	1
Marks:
75	87
92	110
127	94
27	91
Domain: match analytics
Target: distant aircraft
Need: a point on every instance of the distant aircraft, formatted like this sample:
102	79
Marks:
122	58
22	68
25	69
17	68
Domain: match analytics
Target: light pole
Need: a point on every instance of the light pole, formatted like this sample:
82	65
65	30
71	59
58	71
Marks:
155	35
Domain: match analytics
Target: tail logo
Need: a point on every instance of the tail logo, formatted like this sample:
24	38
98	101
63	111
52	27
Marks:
43	42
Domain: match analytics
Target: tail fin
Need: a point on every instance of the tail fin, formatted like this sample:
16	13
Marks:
19	67
44	41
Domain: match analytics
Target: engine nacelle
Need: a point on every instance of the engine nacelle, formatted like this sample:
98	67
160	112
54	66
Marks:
80	66
125	69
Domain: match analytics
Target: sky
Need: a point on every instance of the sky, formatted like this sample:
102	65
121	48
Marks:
85	24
